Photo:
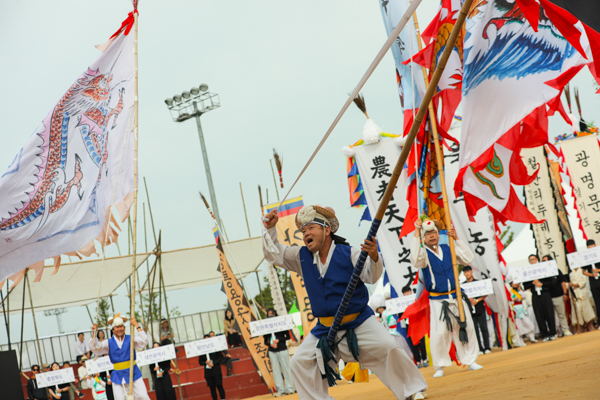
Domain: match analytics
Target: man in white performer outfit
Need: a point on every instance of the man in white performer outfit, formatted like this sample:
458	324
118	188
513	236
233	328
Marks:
436	273
326	263
118	349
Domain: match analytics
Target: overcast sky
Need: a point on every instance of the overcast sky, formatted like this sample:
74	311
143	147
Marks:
282	71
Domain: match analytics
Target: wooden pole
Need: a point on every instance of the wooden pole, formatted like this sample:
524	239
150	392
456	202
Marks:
22	326
440	164
387	196
162	280
245	213
135	193
274	179
37	337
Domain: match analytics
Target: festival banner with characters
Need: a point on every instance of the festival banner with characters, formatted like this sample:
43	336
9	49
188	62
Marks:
582	156
375	163
561	210
479	235
276	294
539	197
289	235
243	316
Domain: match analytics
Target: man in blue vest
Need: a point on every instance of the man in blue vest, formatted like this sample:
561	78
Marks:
437	274
119	351
326	263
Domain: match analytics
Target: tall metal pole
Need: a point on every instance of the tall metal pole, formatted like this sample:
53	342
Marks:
213	197
5	320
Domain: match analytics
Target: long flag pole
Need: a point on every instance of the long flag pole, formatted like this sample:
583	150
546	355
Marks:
440	160
135	192
431	88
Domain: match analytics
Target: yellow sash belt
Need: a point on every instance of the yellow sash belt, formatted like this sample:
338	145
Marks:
122	365
433	294
328	321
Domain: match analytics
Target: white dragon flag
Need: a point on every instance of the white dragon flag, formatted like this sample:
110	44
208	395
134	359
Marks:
58	191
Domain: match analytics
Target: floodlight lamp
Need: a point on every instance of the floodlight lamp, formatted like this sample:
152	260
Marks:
203	87
186	95
169	102
177	98
195	91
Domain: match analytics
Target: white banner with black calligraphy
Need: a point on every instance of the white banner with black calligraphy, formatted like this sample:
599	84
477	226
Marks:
375	164
276	294
582	156
479	235
539	198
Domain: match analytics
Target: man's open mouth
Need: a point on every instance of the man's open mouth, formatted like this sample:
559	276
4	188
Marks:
309	241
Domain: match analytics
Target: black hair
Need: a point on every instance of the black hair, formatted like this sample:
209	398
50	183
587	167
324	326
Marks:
156	343
206	336
211	332
81	333
467	268
35	365
232	315
98	334
406	289
534	255
590	242
52	365
65	363
548	256
165	342
272	309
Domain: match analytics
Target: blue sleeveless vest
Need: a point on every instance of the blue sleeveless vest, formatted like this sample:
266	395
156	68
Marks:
326	293
117	355
442	274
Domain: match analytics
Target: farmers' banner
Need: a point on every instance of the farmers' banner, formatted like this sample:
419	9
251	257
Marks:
582	156
289	235
243	316
276	294
479	235
539	197
375	163
561	210
58	189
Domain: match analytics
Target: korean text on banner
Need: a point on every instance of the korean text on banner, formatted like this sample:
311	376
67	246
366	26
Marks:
582	156
271	325
399	304
156	355
531	272
102	364
289	235
584	258
243	316
205	346
54	378
477	288
539	197
375	163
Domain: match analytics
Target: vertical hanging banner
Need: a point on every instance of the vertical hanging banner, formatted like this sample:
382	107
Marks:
289	235
276	295
243	316
559	199
479	234
539	198
58	190
375	163
582	156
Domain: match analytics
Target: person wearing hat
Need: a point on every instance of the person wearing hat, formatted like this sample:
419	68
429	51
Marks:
437	275
119	349
83	374
326	263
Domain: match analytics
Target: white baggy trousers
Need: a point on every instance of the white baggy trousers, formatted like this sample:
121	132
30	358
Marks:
441	338
139	390
377	351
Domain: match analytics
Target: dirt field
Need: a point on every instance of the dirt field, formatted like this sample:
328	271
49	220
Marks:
568	368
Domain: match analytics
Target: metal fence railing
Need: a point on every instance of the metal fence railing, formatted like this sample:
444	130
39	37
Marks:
61	348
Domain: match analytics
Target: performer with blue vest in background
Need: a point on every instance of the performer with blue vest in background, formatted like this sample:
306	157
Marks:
326	263
119	351
437	275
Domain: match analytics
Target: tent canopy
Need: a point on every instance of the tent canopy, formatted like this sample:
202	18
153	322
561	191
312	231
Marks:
75	283
198	266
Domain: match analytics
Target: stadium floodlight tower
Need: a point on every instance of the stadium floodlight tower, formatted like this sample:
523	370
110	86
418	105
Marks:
193	104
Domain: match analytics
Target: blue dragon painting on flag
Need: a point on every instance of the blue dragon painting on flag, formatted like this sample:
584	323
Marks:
87	100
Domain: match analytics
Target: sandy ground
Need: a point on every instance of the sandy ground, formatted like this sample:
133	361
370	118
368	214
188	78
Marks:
568	368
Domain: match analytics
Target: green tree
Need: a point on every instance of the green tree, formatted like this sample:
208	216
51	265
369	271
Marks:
506	242
264	298
157	314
